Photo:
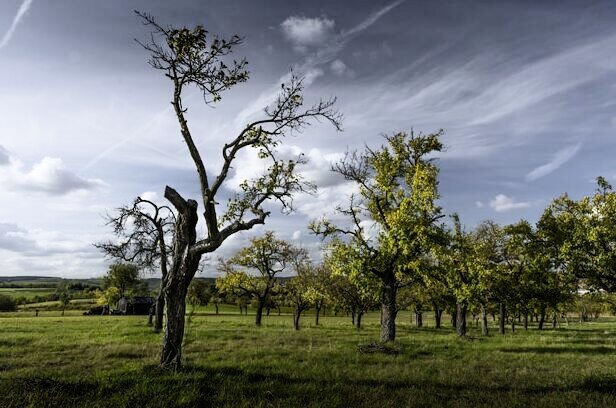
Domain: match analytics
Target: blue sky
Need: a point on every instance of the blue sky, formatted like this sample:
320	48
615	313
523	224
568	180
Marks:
525	92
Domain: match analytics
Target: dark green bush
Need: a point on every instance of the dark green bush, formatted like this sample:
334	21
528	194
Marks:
7	304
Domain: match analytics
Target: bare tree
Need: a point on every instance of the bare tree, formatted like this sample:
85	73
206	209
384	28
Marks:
143	232
194	58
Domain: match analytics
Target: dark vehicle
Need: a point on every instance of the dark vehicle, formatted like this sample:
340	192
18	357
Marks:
138	305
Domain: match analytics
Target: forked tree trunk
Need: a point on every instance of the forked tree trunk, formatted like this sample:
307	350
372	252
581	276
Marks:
484	320
389	308
461	319
501	323
184	266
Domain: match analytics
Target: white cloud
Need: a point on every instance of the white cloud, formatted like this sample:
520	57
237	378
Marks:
304	32
339	68
4	156
560	158
503	203
479	204
21	12
48	176
296	235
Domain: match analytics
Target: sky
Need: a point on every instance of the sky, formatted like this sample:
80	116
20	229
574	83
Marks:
525	92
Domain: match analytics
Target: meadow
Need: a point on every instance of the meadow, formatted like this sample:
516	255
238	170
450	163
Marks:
110	361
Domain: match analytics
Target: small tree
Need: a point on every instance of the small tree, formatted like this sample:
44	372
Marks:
64	297
143	233
7	304
259	265
123	276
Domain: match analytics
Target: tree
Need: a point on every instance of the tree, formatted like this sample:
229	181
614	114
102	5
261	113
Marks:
143	232
397	197
348	288
123	276
259	264
64	297
296	291
7	304
199	293
194	58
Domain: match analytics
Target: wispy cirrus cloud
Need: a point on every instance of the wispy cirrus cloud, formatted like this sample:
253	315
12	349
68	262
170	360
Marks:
21	12
561	157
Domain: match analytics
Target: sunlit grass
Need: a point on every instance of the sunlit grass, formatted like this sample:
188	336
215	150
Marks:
111	361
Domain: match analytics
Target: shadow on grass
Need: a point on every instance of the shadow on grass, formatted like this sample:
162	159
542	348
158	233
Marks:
560	350
229	386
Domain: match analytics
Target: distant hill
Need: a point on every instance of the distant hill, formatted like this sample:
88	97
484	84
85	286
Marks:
52	282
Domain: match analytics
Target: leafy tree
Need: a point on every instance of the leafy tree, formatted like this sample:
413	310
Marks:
397	198
348	288
7	304
109	296
143	233
254	269
64	296
124	277
195	58
199	293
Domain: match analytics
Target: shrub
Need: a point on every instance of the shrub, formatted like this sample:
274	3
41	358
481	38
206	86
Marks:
7	304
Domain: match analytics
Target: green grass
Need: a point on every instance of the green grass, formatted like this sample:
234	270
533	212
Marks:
26	292
96	361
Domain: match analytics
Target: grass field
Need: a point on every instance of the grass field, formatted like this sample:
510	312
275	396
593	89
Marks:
26	292
110	361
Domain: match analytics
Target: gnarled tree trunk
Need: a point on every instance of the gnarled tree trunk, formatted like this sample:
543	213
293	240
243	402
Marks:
389	309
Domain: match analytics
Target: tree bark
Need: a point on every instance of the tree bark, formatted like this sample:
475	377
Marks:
358	321
554	321
501	323
437	315
418	319
259	314
542	318
159	312
484	320
389	308
461	319
296	316
171	356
